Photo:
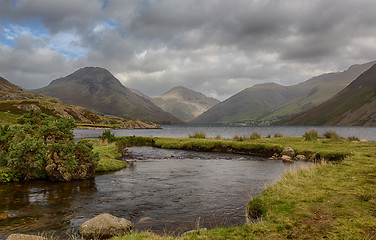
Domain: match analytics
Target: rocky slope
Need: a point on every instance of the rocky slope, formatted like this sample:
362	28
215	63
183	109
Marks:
97	90
355	105
184	103
14	102
268	103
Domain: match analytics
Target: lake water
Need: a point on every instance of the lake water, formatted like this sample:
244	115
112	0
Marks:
165	191
368	133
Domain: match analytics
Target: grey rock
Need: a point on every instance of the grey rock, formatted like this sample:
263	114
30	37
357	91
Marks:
288	152
105	226
17	236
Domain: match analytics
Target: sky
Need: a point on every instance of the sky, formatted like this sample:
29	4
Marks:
217	47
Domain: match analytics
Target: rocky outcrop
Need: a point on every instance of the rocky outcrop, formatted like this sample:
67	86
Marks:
25	237
105	226
288	152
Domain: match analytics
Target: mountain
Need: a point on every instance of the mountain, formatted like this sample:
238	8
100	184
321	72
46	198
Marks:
265	104
97	90
15	102
184	103
355	105
139	93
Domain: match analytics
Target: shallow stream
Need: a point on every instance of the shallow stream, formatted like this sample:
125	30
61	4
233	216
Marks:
165	191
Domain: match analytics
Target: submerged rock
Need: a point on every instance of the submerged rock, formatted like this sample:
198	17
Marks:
105	226
286	158
24	237
288	152
301	158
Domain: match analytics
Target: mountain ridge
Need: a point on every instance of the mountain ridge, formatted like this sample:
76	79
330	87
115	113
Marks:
184	103
97	90
265	104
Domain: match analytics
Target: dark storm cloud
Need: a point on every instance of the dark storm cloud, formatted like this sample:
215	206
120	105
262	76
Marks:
214	46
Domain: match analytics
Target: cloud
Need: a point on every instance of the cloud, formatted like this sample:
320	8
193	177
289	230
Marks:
216	47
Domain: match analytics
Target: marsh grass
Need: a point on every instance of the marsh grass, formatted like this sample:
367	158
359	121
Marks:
198	134
255	135
311	135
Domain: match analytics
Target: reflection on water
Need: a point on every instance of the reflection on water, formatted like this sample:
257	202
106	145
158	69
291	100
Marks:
171	189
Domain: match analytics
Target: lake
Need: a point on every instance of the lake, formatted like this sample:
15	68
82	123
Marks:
368	133
165	191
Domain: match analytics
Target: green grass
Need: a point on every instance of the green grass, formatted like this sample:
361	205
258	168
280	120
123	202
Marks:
333	201
108	154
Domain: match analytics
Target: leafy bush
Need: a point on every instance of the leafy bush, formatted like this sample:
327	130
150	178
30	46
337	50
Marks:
108	135
198	134
255	135
311	135
44	147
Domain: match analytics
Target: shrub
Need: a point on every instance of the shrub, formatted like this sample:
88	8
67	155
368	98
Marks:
331	135
239	138
218	137
311	135
44	147
198	134
108	135
353	138
255	135
278	135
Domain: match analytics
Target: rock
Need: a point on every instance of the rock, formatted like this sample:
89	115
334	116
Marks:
105	226
286	158
25	237
3	216
194	231
300	158
288	152
363	140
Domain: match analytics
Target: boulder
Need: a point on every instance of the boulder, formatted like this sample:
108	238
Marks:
17	236
286	158
288	152
301	158
105	226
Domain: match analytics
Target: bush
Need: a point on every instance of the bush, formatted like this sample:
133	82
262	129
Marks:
198	134
108	135
44	147
255	135
239	139
278	135
331	135
311	135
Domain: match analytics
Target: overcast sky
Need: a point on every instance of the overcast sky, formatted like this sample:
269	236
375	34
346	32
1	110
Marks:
212	46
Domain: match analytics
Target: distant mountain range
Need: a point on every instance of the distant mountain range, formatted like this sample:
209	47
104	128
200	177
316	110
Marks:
15	102
354	105
184	103
97	90
265	104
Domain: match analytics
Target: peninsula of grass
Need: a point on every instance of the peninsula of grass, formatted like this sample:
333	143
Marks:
109	156
332	200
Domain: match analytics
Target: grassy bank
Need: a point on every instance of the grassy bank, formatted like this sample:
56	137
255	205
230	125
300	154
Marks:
328	200
109	155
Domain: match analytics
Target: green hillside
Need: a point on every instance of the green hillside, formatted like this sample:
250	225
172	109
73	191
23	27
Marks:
354	105
266	104
14	102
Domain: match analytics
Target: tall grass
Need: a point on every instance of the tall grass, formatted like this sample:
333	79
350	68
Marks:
332	135
311	136
198	134
255	135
